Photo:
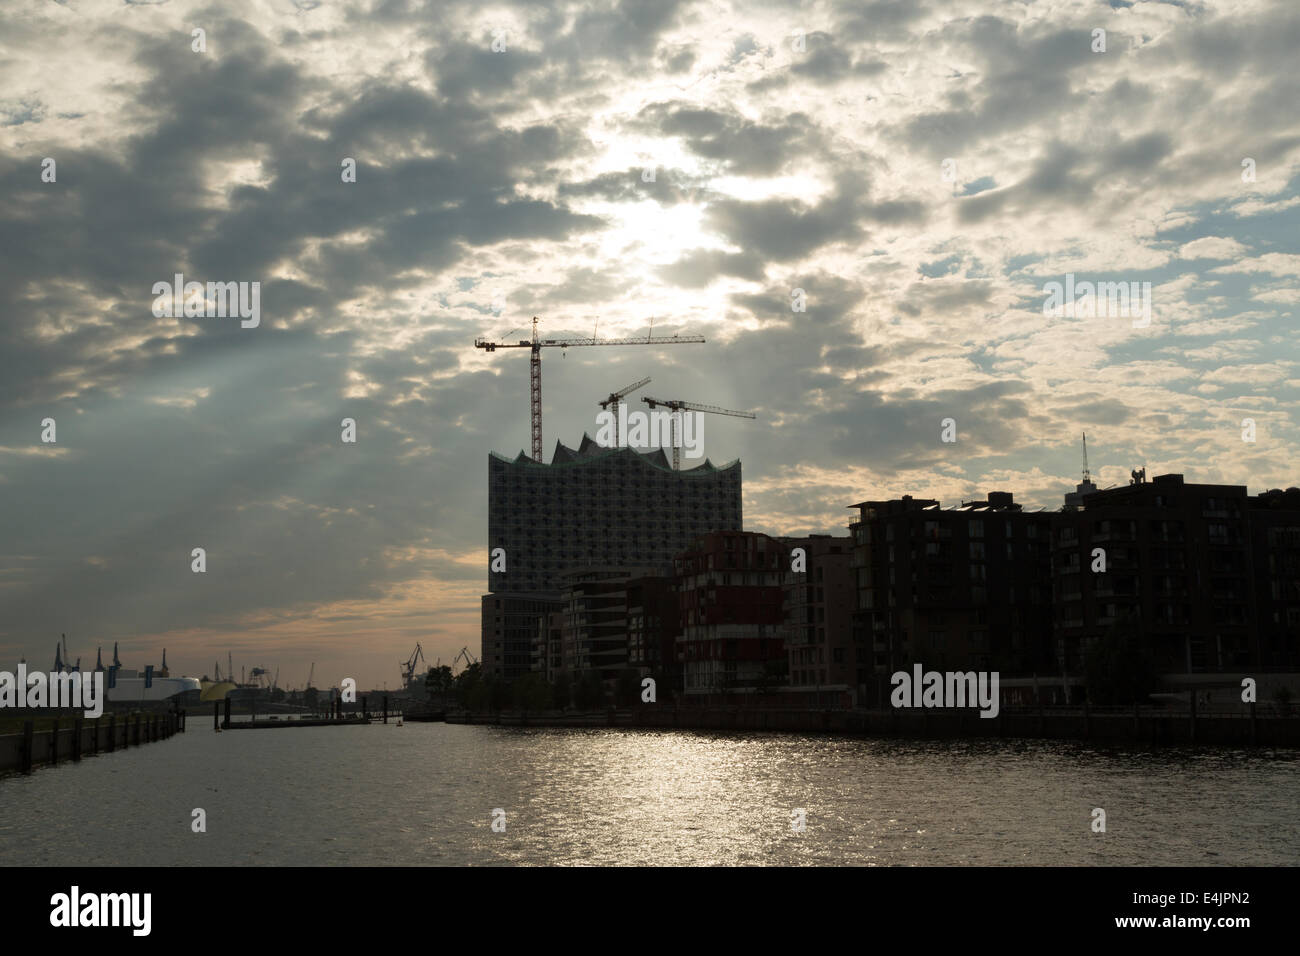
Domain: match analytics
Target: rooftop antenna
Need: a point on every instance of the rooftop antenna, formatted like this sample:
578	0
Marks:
1087	475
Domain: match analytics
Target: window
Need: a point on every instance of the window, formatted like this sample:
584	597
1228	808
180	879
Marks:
976	527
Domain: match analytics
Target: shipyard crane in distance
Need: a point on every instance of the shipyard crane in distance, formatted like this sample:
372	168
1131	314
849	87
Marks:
535	346
676	405
409	665
470	659
615	399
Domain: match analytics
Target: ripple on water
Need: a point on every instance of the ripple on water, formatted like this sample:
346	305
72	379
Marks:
365	795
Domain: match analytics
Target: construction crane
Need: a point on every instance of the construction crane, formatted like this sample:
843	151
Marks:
311	674
470	659
535	345
615	399
676	405
408	666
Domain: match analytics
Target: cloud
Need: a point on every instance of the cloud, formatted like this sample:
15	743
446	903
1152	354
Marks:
493	187
1212	247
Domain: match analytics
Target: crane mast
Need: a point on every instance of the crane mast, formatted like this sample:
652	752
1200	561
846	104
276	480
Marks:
677	405
615	400
535	346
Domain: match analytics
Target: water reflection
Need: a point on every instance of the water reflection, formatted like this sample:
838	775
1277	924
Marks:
424	793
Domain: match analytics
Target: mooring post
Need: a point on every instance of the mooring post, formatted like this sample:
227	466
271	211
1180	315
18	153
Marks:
226	722
216	715
76	739
112	731
29	730
385	708
54	744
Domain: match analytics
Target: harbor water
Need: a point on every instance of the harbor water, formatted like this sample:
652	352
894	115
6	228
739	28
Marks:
425	794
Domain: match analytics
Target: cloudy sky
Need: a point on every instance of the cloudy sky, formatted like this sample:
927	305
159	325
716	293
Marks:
920	169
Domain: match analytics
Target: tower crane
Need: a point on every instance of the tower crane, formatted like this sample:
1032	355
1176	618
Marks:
535	346
615	399
676	405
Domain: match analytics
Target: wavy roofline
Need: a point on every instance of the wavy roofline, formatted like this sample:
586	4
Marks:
589	452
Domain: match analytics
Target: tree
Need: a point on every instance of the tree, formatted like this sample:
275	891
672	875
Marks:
1119	667
775	674
590	692
562	692
629	687
439	679
531	692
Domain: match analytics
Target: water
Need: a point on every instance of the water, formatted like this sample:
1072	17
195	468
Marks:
424	794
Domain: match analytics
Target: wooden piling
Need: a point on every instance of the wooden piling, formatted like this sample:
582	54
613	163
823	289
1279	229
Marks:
54	744
112	732
76	739
226	722
29	734
385	708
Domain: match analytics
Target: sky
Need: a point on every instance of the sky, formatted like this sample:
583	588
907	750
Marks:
920	170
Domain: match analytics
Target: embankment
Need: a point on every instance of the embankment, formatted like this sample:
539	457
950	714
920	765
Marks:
1143	725
71	738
